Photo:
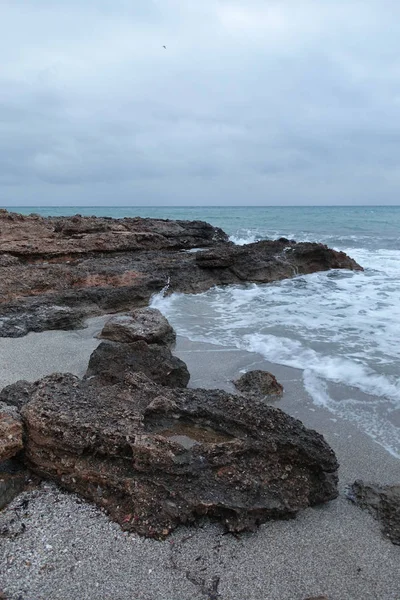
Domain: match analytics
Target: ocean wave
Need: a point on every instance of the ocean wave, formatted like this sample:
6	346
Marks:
340	327
244	237
369	416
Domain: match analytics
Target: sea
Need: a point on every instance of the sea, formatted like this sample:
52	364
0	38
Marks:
340	328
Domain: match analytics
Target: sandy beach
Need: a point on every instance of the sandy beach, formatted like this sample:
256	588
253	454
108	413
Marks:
56	546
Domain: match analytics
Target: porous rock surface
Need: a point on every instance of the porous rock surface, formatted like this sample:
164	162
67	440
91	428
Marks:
16	394
259	384
111	361
11	432
156	457
146	324
138	342
91	266
34	236
383	502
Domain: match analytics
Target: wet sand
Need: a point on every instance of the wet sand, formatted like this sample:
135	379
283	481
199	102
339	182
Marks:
69	549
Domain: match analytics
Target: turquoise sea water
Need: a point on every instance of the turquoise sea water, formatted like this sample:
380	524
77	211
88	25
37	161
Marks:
373	226
341	328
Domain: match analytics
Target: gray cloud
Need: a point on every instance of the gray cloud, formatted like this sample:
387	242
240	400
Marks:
289	102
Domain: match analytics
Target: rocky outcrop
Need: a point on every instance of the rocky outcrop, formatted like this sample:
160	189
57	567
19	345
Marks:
138	342
258	384
11	440
383	502
156	457
35	236
146	324
56	271
111	361
268	260
155	454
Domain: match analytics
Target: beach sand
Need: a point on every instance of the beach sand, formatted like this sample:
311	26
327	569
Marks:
67	549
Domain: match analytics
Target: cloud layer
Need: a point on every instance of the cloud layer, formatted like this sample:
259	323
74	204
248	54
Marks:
256	102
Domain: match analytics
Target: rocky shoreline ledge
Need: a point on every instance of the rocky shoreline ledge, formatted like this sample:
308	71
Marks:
55	272
130	436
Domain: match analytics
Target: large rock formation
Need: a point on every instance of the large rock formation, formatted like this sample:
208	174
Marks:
34	236
158	455
55	271
155	457
383	502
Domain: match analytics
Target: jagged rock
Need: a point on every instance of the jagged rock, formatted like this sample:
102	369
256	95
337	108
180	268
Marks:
268	261
156	457
146	324
17	394
259	384
111	361
11	432
37	236
383	502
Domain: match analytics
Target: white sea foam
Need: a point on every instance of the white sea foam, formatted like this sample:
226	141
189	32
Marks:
243	237
340	327
368	415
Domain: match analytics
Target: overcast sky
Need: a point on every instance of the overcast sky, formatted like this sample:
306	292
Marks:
261	102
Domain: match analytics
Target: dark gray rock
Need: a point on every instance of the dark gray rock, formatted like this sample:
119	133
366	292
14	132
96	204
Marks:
259	384
17	394
111	361
40	318
156	457
14	478
146	324
383	502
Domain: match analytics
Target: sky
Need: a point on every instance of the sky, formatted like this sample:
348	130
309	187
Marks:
253	102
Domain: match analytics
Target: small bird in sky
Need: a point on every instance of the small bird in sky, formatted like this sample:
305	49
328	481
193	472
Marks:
165	47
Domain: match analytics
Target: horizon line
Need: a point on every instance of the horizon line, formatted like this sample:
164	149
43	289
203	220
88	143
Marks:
203	206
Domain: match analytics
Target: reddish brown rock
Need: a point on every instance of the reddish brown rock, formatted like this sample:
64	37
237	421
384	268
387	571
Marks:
11	432
91	266
35	236
156	457
259	384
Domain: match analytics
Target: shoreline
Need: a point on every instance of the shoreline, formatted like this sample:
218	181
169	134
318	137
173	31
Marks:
69	548
363	461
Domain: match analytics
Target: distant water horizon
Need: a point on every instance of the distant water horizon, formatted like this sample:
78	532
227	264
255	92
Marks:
341	328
